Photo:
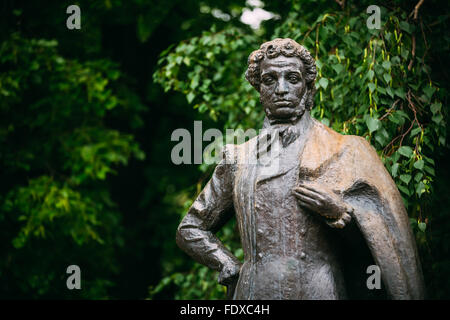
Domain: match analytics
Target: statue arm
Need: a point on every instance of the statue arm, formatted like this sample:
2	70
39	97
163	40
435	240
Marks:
209	212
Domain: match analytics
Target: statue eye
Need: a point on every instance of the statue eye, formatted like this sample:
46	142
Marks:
268	80
293	78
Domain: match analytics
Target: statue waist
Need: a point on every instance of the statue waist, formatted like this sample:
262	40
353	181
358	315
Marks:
287	277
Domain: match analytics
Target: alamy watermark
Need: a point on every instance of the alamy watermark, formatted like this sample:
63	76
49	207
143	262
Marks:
190	150
74	20
374	280
74	280
374	21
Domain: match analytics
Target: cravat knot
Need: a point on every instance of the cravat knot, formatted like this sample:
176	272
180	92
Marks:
285	134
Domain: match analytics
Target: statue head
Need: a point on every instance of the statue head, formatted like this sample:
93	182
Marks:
284	73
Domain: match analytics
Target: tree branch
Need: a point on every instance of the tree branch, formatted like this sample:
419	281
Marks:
416	8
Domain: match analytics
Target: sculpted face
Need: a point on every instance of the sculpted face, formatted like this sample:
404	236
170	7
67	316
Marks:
282	87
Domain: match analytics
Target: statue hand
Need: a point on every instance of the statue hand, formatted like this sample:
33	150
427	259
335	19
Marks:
229	274
324	202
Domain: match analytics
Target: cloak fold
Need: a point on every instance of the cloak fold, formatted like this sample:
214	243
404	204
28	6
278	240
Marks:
350	166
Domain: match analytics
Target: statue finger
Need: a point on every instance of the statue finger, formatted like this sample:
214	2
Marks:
306	198
320	189
308	206
346	218
339	224
309	193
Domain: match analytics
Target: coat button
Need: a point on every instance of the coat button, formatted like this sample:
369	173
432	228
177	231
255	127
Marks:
260	255
302	255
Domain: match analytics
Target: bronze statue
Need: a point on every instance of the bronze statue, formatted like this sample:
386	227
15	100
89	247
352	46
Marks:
317	216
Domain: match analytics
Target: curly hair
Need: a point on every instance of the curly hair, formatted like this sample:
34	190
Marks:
288	48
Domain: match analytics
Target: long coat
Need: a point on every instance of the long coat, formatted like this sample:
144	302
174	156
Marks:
289	252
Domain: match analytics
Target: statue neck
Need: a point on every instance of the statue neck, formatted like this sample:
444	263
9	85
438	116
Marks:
297	121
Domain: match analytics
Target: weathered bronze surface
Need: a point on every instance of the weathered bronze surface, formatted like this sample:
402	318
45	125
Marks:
314	208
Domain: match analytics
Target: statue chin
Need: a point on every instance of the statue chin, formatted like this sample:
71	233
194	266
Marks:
282	114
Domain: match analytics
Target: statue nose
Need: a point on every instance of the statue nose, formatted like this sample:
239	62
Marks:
281	87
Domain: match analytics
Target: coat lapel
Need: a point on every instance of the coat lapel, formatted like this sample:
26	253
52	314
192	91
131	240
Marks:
280	160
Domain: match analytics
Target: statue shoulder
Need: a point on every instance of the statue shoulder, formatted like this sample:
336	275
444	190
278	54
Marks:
356	143
362	147
323	132
345	146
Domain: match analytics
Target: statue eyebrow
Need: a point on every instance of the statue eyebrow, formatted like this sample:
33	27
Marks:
268	72
272	72
296	72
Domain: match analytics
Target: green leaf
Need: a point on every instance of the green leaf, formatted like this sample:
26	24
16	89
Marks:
390	91
405	151
338	68
190	97
88	153
319	64
430	170
405	26
403	114
187	61
395	118
387	77
436	107
415	131
382	136
422	226
414	86
404	190
195	81
418	177
437	118
323	82
405	53
358	70
400	92
429	91
373	124
420	188
429	160
394	169
419	164
381	90
371	87
406	178
386	65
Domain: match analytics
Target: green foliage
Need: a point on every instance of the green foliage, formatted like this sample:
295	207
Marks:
53	136
372	83
209	71
70	119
